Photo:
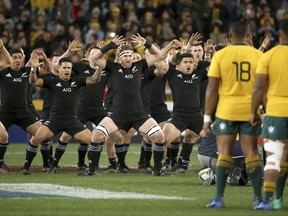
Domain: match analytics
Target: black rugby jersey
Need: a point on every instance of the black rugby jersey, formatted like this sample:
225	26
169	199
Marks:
158	96
90	97
126	86
63	95
185	89
45	95
14	86
147	79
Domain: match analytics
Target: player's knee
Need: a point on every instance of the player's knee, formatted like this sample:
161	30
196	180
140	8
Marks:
156	134
275	148
36	140
99	134
65	138
3	137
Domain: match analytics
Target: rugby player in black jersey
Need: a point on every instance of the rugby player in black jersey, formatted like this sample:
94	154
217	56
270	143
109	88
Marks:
185	86
128	110
14	106
63	90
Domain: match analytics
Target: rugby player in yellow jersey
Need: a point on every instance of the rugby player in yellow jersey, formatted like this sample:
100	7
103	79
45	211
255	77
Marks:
231	79
273	66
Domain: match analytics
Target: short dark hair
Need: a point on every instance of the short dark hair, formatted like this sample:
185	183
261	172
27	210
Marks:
64	59
182	56
89	47
283	27
16	50
239	29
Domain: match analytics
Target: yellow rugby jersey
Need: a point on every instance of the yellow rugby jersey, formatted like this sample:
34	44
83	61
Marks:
274	63
236	66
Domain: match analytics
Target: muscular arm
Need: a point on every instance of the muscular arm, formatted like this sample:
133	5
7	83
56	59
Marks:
210	103
211	98
161	68
34	80
5	53
258	96
96	77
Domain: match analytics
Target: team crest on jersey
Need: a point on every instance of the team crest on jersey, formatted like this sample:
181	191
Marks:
24	74
180	75
86	72
134	69
73	84
8	75
58	84
271	129
120	70
222	126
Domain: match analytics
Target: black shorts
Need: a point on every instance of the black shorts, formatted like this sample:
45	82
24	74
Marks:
45	115
34	111
22	118
71	126
161	116
183	121
95	117
125	121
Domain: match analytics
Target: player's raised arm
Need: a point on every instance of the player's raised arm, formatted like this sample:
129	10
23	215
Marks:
96	77
97	56
33	79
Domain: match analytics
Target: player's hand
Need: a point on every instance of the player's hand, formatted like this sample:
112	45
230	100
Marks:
194	39
74	46
255	119
206	131
118	40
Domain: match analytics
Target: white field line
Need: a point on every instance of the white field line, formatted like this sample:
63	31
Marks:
78	192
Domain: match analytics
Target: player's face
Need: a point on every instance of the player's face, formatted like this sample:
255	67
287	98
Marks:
197	52
17	61
187	65
65	70
126	60
54	63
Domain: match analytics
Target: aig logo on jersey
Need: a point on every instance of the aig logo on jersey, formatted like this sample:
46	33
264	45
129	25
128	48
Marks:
67	90
17	80
271	129
128	76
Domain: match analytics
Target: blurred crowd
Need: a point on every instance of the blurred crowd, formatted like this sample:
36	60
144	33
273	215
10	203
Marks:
51	24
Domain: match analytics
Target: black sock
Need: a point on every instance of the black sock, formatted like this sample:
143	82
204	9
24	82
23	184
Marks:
148	154
113	162
126	148
45	152
142	153
168	155
60	149
95	150
174	149
158	155
82	150
31	152
120	152
186	152
3	148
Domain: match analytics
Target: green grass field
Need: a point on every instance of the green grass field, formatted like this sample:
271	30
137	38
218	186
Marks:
238	200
